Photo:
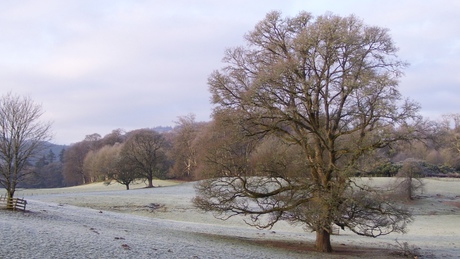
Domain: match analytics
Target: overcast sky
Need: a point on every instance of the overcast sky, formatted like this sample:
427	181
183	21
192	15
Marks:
96	66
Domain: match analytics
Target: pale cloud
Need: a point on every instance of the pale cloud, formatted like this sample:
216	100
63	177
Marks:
100	65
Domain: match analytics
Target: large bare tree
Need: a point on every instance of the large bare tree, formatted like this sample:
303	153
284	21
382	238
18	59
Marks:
22	137
327	85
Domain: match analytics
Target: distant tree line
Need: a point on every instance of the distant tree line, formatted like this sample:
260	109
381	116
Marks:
189	151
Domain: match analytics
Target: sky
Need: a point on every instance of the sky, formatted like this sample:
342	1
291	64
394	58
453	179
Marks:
95	65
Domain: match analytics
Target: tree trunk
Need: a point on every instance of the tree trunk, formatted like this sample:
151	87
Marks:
323	241
409	188
150	179
9	198
127	186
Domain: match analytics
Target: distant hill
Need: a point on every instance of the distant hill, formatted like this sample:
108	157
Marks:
56	149
162	129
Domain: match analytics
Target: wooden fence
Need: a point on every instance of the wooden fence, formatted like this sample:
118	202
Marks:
14	203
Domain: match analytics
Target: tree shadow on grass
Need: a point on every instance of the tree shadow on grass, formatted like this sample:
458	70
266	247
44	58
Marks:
307	249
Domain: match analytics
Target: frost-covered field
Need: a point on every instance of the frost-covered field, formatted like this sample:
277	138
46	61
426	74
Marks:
98	221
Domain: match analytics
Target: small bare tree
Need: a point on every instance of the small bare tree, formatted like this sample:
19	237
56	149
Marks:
22	137
114	166
408	179
144	152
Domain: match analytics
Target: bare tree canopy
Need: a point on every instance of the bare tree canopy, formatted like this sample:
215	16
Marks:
328	86
184	147
74	157
22	137
107	163
144	152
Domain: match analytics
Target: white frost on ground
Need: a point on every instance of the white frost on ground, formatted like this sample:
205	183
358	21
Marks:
97	221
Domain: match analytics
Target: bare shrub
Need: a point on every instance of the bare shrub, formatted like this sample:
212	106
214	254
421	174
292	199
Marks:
406	250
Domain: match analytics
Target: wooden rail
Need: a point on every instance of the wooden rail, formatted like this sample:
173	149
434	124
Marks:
335	230
14	203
